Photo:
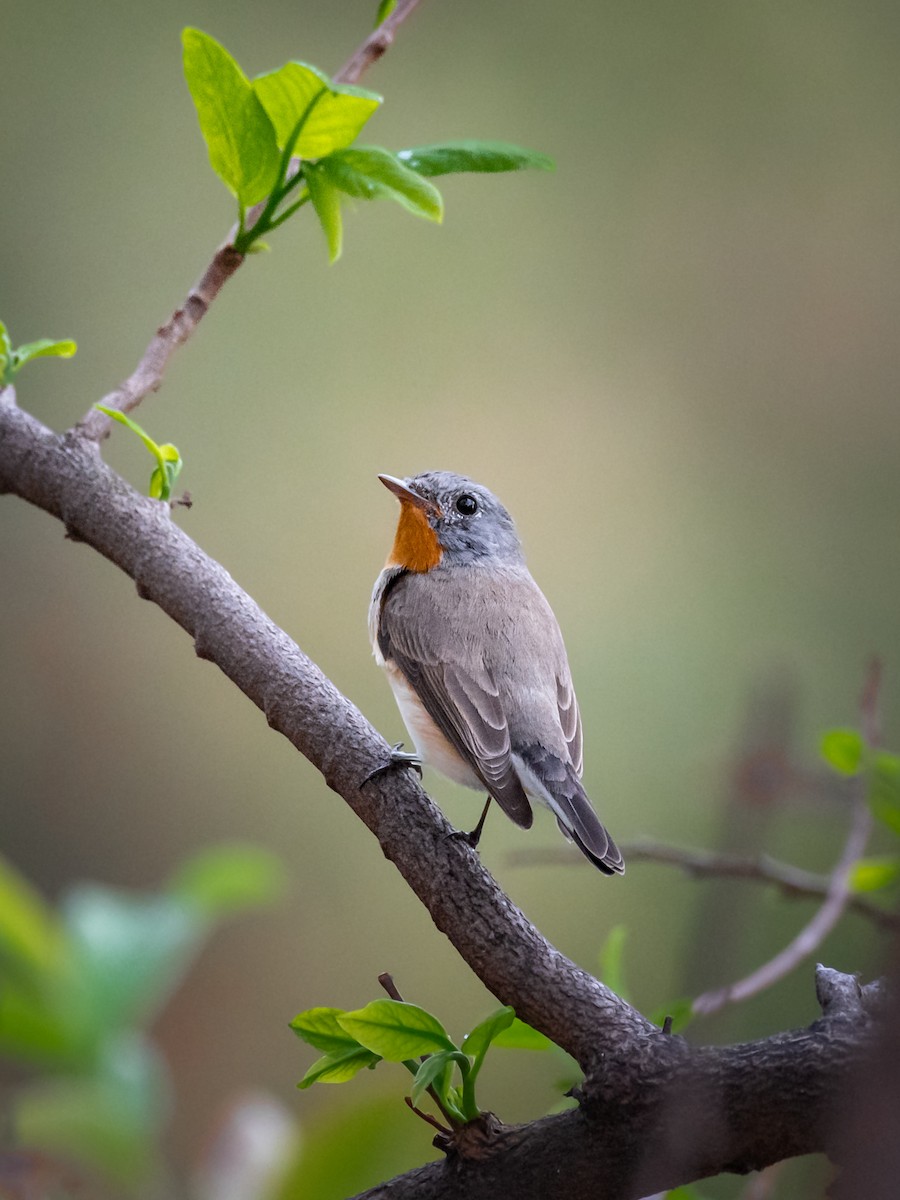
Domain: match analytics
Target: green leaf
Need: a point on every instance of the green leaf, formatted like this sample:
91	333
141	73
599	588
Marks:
230	878
168	460
396	1030
326	201
385	8
447	158
368	172
335	113
110	1119
612	970
239	136
843	750
433	1072
129	951
476	1043
520	1036
873	874
164	475
320	1028
338	1067
884	790
32	943
5	346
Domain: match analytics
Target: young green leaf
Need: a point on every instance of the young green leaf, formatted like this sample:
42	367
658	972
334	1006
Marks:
321	1029
385	8
326	200
520	1036
335	113
338	1067
448	158
476	1043
434	1072
873	874
369	172
396	1030
843	750
168	460
239	135
884	790
5	347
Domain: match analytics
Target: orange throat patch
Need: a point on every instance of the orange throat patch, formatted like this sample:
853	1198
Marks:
416	547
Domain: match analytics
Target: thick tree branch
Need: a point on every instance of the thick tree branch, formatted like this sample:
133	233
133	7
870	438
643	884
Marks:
65	475
654	1111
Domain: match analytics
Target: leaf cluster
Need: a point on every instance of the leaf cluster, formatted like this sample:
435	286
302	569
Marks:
168	460
285	139
80	986
396	1031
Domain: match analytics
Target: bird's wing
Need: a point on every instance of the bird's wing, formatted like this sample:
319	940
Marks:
570	719
460	697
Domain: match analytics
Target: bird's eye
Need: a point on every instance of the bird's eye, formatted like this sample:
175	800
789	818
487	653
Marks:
466	505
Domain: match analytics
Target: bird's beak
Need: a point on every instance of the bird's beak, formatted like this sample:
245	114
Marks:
407	496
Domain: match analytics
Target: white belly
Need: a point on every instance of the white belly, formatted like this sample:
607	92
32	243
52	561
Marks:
431	745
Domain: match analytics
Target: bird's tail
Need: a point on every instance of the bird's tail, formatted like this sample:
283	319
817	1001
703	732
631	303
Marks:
560	788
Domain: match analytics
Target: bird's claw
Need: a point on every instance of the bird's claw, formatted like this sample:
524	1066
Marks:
399	758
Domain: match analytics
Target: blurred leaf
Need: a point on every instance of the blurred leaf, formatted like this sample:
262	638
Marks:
335	113
612	970
339	1067
346	1147
42	1026
683	1193
872	874
239	135
448	158
681	1011
396	1030
320	1028
884	790
520	1036
326	200
476	1043
432	1073
130	951
109	1120
230	878
843	750
385	8
5	347
370	173
32	943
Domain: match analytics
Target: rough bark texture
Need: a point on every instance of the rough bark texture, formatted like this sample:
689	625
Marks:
654	1111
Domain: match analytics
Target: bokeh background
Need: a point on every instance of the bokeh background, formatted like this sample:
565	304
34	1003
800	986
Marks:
675	359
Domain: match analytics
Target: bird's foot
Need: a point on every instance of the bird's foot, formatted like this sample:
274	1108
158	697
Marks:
399	758
472	839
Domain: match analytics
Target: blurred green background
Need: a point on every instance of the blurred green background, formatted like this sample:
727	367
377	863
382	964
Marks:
675	360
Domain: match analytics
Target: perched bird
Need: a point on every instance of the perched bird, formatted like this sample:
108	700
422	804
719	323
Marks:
476	660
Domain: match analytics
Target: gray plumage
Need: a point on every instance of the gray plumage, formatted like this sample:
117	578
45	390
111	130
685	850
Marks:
475	643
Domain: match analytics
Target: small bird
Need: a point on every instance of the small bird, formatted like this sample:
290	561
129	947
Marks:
476	660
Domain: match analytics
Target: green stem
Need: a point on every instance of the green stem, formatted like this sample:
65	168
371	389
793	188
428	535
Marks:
265	222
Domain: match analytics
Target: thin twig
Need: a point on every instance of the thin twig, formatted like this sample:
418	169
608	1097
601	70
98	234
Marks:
792	882
838	895
147	376
375	45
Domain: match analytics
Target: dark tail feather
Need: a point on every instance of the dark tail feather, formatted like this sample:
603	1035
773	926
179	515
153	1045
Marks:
601	849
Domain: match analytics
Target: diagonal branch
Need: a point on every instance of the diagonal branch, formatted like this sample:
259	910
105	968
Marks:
63	475
148	375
